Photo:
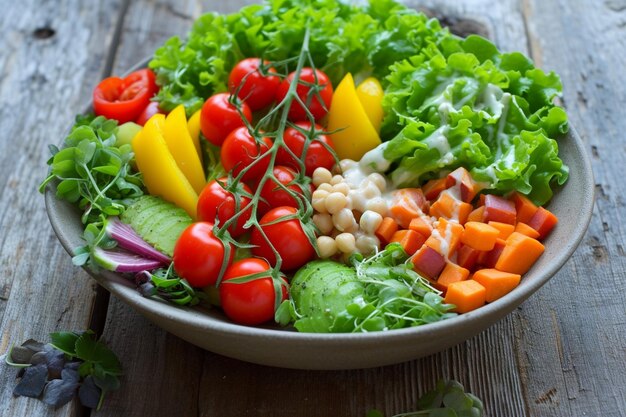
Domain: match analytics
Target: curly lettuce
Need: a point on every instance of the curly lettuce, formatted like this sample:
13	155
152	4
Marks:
344	38
466	104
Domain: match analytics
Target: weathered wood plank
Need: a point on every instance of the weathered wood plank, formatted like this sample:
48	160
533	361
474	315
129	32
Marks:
573	355
50	55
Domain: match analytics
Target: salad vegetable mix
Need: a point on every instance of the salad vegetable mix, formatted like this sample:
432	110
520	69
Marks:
334	167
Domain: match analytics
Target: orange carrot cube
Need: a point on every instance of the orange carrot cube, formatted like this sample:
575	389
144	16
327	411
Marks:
466	295
479	236
497	283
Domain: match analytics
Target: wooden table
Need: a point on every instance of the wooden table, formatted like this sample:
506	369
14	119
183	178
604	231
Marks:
562	353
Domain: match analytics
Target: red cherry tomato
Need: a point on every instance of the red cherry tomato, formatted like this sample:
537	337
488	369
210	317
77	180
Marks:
309	97
275	195
317	154
198	255
219	117
240	150
286	236
124	99
151	109
214	201
258	91
251	302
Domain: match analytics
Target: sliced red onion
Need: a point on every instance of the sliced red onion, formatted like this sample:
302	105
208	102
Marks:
122	261
128	239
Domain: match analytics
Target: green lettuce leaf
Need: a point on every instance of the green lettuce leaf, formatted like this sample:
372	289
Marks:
344	38
465	104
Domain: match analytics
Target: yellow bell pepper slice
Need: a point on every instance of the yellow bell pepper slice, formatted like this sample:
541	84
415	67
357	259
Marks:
193	125
181	147
355	134
370	94
161	174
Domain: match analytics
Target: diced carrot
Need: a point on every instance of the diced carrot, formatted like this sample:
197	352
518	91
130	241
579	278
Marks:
422	225
525	208
450	208
481	200
466	295
386	230
428	262
462	179
466	256
543	221
525	229
497	283
519	254
407	204
478	215
446	237
433	187
489	258
410	240
451	273
504	228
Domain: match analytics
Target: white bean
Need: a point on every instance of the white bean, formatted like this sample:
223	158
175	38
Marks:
370	220
335	202
327	246
345	242
321	175
343	219
324	223
377	204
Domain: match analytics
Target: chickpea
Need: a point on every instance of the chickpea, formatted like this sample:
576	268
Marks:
367	244
344	219
336	179
345	242
318	200
335	202
325	187
346	164
377	204
370	190
321	175
327	246
378	180
357	200
370	220
324	223
342	188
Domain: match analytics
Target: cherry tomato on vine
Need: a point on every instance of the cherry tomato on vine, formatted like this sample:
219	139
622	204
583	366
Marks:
252	302
258	91
317	154
219	117
286	236
123	99
275	195
240	150
310	97
151	109
198	255
214	201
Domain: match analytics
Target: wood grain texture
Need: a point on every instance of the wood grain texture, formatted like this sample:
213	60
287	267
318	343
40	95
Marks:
50	55
573	352
562	353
